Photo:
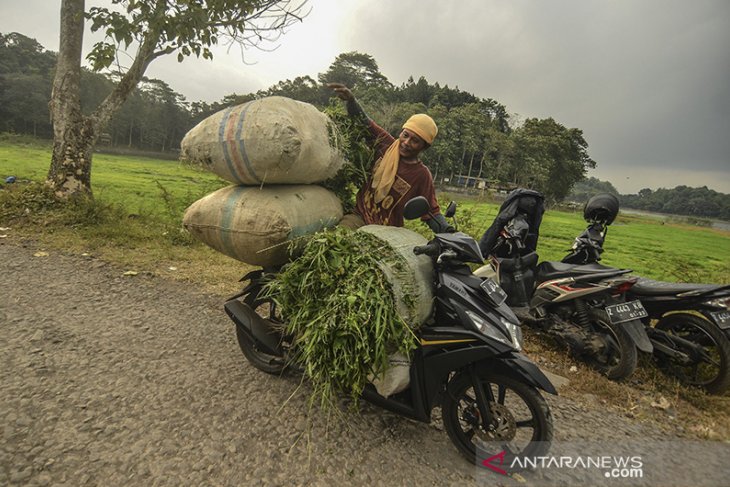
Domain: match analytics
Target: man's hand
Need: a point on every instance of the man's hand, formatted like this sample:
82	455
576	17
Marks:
342	91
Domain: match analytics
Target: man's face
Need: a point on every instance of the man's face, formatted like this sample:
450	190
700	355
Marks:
410	144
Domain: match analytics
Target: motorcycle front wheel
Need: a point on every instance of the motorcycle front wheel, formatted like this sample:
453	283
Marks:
266	309
708	352
521	425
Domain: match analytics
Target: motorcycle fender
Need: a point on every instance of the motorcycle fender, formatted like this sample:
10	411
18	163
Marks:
257	329
523	369
520	368
637	332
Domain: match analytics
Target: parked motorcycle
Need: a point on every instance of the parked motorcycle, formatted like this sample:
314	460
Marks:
583	306
691	335
467	358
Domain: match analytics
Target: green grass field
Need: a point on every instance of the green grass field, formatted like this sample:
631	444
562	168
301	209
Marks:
136	183
672	252
158	191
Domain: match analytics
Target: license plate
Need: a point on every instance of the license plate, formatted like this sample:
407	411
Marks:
722	318
495	293
618	313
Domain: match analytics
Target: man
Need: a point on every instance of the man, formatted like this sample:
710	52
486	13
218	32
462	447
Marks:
398	174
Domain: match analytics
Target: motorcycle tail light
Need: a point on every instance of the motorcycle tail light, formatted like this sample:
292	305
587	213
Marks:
625	286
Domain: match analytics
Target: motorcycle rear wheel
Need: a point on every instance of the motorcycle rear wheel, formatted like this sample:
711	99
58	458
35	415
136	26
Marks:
265	308
618	360
522	425
709	371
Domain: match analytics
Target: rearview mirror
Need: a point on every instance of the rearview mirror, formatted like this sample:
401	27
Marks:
416	208
450	210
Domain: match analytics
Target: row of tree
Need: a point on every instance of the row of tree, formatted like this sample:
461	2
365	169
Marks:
681	200
154	116
478	140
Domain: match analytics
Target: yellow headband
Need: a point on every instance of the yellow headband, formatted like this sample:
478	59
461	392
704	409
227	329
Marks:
423	126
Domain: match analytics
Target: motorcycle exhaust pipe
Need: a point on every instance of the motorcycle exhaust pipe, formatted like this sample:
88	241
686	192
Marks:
259	330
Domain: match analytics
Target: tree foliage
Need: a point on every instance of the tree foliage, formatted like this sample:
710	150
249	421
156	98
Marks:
26	69
681	200
585	188
478	140
356	70
152	28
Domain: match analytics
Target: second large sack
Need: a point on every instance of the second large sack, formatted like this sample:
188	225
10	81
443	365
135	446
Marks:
257	225
273	140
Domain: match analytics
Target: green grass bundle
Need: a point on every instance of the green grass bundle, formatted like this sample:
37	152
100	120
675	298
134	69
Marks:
340	308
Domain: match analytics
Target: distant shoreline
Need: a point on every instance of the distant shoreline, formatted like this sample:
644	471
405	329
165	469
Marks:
715	223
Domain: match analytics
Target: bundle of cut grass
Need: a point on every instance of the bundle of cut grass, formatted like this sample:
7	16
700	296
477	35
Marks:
351	301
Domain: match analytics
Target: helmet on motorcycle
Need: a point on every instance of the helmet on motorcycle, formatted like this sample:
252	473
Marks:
601	208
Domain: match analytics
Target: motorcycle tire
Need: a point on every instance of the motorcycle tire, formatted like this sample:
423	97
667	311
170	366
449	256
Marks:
618	360
523	425
710	371
265	308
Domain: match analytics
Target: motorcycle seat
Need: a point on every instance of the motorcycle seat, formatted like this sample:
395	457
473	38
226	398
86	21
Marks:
555	270
649	287
510	264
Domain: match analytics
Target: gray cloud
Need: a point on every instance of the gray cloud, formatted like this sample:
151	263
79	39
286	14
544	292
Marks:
647	81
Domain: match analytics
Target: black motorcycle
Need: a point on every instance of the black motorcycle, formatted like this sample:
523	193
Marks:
692	330
467	359
583	306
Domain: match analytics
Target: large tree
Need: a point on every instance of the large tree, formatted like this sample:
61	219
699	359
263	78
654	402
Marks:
550	157
356	70
156	28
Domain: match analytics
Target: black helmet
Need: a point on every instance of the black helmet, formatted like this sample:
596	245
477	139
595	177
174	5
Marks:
601	208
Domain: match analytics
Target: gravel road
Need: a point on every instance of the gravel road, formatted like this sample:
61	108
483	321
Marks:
113	380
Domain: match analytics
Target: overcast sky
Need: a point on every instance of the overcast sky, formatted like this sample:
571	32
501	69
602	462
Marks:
648	81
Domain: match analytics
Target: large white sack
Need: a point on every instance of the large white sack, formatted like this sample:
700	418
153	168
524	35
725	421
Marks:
255	225
410	275
411	278
273	140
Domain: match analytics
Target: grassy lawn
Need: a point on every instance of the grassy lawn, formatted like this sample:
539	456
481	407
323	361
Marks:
153	194
664	251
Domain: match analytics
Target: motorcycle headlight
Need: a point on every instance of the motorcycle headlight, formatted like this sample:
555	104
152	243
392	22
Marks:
515	332
492	331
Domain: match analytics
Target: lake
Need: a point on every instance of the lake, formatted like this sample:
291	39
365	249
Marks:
717	224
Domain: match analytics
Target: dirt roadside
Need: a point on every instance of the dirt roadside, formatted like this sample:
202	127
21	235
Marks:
109	379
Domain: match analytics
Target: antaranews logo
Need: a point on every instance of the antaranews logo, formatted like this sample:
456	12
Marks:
616	467
500	457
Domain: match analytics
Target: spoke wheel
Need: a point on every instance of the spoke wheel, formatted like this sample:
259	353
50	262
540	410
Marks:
707	359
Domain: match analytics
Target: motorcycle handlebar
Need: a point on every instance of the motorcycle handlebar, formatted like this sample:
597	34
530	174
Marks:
431	249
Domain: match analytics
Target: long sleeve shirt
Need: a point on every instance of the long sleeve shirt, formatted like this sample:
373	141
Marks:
411	180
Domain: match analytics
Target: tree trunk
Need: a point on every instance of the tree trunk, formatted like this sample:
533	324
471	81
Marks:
468	175
481	164
461	163
73	134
